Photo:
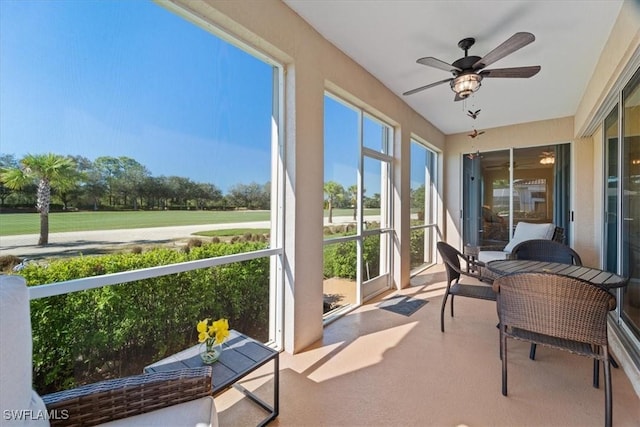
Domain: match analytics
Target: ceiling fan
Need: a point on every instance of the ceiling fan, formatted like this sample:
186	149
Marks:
469	71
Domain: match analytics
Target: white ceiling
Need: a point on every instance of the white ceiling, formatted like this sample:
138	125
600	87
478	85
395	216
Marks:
387	37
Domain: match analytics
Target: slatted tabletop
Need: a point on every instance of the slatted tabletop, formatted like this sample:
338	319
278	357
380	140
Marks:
241	355
596	276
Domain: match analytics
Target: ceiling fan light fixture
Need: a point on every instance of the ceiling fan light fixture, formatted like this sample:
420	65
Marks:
548	160
465	84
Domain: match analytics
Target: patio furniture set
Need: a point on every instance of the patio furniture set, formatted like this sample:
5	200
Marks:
544	296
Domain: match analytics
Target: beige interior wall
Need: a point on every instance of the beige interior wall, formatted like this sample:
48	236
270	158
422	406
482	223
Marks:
619	49
312	64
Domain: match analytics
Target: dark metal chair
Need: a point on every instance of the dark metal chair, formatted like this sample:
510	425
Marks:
559	312
451	257
545	250
549	251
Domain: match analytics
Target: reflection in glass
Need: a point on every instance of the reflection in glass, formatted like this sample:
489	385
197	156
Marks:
631	203
503	188
611	191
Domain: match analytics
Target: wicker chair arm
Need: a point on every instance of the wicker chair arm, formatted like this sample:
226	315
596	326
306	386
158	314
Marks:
110	400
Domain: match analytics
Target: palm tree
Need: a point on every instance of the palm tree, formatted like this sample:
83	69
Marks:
352	191
334	191
47	171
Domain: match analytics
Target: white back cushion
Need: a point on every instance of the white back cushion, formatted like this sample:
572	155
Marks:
527	231
194	413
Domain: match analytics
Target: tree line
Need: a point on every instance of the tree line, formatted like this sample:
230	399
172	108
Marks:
116	183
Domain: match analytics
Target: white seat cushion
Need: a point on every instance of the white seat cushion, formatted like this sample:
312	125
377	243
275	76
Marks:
195	413
486	256
527	231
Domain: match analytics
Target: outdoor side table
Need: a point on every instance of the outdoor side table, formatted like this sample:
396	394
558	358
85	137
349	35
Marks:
472	252
240	356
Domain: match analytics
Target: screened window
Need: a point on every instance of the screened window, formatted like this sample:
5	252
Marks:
357	209
424	202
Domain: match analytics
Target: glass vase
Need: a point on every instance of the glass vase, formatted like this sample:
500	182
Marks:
210	353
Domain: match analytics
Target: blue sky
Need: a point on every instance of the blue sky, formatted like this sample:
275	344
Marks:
129	78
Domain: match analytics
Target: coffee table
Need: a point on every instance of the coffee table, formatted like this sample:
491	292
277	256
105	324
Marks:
240	356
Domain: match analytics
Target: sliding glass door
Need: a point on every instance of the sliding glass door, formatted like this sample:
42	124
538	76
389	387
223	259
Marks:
622	203
630	233
502	188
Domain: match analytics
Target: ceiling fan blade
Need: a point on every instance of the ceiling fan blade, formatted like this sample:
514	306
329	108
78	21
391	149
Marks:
436	63
421	88
515	42
516	72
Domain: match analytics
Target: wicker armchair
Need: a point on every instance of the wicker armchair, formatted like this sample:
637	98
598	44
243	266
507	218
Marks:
549	251
559	312
171	398
451	258
545	250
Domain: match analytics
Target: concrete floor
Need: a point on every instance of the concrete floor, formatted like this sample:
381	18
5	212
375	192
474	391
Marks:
377	368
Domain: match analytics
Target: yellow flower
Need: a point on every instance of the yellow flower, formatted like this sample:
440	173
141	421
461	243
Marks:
212	334
222	329
202	330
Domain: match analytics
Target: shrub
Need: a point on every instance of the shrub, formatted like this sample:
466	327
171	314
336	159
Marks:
193	243
417	247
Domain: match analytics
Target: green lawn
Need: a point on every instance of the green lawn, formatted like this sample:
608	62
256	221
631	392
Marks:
13	224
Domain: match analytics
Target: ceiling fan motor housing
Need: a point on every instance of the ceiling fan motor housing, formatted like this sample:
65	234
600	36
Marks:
465	64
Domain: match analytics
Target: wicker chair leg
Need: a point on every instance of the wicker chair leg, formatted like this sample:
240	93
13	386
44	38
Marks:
444	303
608	415
596	373
503	356
532	351
452	298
